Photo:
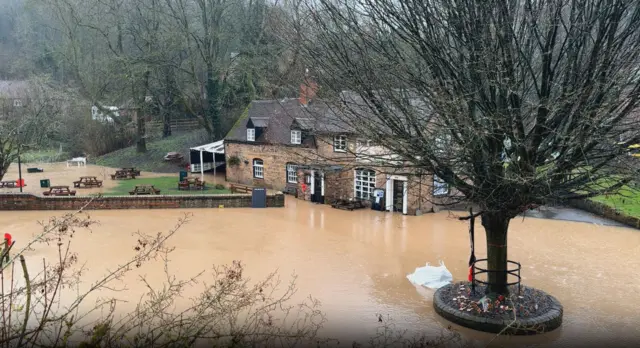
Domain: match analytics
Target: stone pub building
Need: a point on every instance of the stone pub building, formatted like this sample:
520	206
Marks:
299	146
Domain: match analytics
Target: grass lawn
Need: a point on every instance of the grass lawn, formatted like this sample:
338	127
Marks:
168	185
627	201
152	160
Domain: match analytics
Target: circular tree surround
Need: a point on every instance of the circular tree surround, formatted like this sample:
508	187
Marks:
530	318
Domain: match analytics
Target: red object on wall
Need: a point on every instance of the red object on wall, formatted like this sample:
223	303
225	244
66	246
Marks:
304	187
20	182
7	236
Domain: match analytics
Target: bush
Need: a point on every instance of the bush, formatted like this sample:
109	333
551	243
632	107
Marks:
233	161
220	187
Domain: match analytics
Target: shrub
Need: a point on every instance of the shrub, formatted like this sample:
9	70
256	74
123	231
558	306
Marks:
220	187
234	161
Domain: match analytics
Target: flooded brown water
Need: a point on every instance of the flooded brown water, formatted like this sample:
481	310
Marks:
61	175
356	262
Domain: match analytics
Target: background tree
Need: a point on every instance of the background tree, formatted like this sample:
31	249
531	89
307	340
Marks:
534	101
33	123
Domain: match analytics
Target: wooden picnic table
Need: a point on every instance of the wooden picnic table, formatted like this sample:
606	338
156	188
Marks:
87	181
239	188
59	191
173	157
9	184
132	170
144	190
123	174
191	182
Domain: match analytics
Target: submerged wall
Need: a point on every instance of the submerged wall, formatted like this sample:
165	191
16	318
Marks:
606	211
27	201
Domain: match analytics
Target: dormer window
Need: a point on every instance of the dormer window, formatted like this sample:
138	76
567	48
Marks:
296	136
340	143
251	134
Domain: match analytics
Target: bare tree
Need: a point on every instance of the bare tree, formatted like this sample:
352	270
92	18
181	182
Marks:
31	122
514	103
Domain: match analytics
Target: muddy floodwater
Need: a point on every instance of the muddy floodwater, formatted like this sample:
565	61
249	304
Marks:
356	262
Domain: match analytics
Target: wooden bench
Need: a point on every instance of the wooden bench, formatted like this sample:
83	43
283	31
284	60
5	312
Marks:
291	190
123	174
348	205
145	190
87	181
9	184
59	191
238	188
190	183
132	170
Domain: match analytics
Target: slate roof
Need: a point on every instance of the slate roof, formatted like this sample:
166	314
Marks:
278	116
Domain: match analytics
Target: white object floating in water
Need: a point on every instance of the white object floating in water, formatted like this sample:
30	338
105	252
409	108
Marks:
431	276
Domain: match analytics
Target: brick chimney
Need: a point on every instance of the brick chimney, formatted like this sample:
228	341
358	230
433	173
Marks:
308	89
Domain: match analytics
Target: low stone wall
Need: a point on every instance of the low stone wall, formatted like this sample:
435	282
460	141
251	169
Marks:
605	211
542	323
27	201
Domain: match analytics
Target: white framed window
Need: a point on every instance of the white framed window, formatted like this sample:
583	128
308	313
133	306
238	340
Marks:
296	137
440	188
258	168
251	134
364	142
17	103
340	143
292	173
364	183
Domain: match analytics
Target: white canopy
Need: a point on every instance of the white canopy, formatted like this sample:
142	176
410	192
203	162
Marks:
214	148
217	147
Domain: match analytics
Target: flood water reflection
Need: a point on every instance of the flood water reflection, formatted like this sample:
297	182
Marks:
356	262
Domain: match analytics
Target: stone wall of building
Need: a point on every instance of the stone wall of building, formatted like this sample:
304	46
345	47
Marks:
338	185
26	201
275	159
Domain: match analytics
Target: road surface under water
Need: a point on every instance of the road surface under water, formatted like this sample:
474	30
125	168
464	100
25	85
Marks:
356	262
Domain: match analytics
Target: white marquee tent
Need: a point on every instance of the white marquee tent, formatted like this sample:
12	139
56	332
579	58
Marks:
207	157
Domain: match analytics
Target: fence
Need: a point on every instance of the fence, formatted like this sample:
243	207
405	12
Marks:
176	125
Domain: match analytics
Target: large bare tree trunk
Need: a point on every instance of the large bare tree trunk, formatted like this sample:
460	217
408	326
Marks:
496	226
141	144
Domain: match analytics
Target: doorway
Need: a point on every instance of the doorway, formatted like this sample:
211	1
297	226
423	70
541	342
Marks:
398	196
317	192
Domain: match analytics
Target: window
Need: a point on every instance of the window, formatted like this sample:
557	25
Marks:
440	188
364	142
340	143
251	134
296	137
258	168
292	173
17	103
365	183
